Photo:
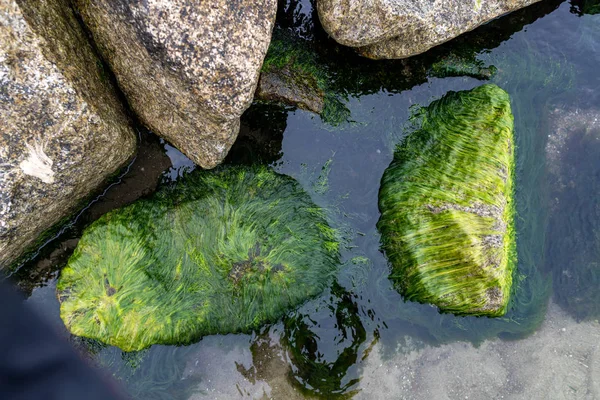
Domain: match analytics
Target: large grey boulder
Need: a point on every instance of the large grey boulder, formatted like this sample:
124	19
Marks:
403	28
63	131
188	68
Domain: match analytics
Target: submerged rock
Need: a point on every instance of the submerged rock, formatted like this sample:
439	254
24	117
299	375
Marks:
446	204
295	74
400	28
573	239
457	65
63	129
219	252
318	77
188	69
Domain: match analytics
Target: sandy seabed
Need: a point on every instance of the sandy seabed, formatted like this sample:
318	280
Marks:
560	361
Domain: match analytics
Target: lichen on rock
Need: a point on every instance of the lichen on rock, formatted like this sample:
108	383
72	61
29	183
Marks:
219	252
446	204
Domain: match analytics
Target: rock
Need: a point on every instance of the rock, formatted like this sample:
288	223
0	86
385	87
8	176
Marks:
188	69
401	28
63	129
288	86
447	211
455	65
292	73
220	251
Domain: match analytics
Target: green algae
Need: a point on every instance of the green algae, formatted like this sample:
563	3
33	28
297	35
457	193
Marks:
314	374
313	66
307	70
457	65
446	205
220	251
582	7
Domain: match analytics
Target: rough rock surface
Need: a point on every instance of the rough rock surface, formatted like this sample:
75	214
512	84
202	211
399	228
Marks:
288	86
189	69
63	130
403	28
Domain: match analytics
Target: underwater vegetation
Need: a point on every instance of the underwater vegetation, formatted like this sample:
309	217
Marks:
446	202
296	73
313	373
581	7
462	65
219	251
304	68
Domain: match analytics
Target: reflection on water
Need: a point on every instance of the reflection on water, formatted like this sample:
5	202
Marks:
547	59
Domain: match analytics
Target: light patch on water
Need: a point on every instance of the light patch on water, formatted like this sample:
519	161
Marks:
560	361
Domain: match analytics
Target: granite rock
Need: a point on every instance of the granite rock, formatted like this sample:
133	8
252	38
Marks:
382	29
63	130
189	69
291	87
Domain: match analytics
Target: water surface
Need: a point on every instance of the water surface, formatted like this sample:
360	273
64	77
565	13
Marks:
360	338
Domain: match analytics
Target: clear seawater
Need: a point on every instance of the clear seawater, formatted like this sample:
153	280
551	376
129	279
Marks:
548	60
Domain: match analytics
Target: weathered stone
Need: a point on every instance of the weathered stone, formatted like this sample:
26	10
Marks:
288	86
63	130
189	69
403	28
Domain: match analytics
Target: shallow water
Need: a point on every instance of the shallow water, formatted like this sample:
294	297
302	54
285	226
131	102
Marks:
360	338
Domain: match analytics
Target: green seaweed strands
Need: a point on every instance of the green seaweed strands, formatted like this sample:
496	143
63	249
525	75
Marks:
446	204
221	251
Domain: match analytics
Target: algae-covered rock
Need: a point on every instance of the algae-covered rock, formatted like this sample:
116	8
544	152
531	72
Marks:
403	28
189	69
446	204
63	130
457	65
318	77
220	252
294	73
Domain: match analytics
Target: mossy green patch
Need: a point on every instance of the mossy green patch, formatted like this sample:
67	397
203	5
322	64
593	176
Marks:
455	64
308	72
446	205
220	251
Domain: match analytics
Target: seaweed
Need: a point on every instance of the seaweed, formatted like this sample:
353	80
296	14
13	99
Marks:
304	72
305	68
456	65
446	202
219	251
312	372
582	7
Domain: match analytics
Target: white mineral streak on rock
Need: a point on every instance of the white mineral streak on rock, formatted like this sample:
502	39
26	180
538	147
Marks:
62	127
38	164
